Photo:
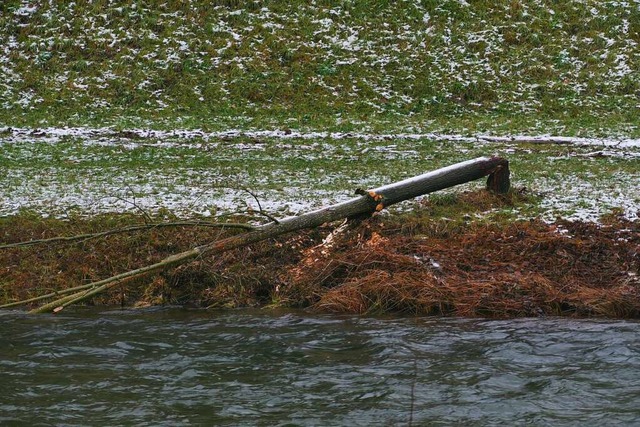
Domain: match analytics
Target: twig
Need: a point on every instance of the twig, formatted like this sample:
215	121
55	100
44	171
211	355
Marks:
260	210
128	230
135	205
49	295
102	285
264	214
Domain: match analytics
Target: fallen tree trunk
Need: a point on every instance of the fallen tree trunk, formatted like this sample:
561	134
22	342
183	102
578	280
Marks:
370	201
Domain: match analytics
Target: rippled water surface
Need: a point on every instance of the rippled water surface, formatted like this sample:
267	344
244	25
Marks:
180	367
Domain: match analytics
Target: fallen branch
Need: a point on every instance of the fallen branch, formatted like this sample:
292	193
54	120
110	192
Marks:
368	203
49	295
132	228
102	285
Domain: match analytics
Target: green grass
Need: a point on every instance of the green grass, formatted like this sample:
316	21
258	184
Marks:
502	67
197	176
467	68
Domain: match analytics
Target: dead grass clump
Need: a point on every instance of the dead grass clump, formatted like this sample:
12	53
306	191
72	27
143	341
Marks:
518	269
382	292
362	272
241	277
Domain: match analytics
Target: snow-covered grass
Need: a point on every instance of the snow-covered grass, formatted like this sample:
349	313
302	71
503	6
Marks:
111	106
534	66
60	171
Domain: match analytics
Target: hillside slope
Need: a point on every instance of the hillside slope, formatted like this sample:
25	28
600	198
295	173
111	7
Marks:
568	67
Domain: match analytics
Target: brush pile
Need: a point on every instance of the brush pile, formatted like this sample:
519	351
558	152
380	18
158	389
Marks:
522	269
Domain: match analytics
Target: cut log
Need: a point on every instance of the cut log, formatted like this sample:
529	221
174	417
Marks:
371	201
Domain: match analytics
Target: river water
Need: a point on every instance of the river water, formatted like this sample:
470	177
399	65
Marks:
189	367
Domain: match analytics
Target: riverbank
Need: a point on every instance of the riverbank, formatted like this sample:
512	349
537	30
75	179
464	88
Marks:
440	258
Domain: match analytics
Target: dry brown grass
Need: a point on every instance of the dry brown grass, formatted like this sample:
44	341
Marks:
417	263
519	269
243	277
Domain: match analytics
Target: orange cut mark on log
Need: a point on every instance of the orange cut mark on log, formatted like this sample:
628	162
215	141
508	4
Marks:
375	196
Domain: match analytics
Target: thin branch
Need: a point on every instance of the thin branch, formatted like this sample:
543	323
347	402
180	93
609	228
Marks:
102	285
49	295
260	210
255	197
413	390
134	204
128	230
264	214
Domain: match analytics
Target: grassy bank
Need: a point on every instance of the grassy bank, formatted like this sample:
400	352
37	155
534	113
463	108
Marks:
73	175
431	69
434	260
501	67
116	113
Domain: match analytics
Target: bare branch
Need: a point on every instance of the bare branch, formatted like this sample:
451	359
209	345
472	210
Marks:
134	204
129	229
260	211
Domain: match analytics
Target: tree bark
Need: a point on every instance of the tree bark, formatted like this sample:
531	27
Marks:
370	201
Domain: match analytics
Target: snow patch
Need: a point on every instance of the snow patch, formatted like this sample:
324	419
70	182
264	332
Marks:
53	134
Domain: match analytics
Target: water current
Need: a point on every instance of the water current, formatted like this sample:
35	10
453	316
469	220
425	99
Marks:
188	367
